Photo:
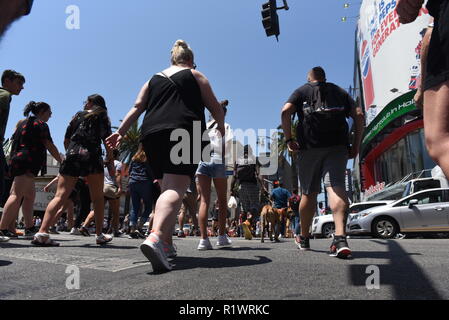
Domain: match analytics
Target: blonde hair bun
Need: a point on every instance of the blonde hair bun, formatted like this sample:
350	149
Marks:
181	53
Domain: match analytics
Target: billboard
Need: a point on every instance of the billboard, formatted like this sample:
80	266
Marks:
389	53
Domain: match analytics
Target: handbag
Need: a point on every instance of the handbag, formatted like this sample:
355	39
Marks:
232	203
110	191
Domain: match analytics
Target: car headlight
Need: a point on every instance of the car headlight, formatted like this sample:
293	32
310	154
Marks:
363	215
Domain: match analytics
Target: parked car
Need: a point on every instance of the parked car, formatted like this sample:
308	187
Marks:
426	211
324	226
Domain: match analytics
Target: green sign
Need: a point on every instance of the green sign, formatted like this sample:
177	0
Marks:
395	109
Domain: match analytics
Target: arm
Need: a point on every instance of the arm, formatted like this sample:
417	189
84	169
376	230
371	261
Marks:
114	140
408	10
286	120
118	179
52	182
210	100
359	126
419	96
53	150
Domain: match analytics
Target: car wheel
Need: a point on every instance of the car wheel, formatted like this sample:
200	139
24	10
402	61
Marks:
328	230
385	228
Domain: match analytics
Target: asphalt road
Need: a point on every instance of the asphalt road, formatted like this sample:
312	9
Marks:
250	270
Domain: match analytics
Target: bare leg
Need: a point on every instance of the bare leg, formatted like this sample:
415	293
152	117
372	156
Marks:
436	124
339	205
221	187
28	202
172	191
65	187
204	187
12	205
95	182
307	208
114	206
90	217
70	211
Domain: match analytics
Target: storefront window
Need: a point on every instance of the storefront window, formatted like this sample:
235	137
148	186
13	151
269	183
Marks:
408	155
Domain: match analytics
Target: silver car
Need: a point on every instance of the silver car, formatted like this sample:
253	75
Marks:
424	211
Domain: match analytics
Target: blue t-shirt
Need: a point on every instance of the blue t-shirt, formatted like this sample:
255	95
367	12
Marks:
140	171
280	197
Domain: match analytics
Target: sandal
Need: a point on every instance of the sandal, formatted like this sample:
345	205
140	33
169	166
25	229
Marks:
37	241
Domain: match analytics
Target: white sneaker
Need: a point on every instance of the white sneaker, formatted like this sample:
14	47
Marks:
4	239
223	241
104	238
205	245
170	251
153	250
75	232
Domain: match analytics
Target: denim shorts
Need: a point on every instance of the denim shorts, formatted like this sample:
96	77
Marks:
212	170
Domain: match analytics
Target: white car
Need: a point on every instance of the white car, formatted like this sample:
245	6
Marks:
324	226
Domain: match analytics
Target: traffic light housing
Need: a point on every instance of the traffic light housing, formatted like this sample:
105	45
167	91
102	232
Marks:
270	18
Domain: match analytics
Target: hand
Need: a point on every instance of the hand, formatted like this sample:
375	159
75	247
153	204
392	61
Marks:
419	99
114	140
408	10
293	146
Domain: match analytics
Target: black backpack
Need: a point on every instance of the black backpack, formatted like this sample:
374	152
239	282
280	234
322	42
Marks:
322	119
246	173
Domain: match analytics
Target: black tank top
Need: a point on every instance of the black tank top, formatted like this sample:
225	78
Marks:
173	105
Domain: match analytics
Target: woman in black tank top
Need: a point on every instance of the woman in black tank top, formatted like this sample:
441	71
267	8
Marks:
174	101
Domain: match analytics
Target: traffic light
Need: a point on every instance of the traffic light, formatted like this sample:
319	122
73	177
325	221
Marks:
270	18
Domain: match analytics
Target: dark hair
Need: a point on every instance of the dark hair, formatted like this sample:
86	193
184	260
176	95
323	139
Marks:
115	153
11	75
319	74
35	108
99	105
295	191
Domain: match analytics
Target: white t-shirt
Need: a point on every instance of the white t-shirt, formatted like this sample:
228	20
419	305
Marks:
107	177
216	146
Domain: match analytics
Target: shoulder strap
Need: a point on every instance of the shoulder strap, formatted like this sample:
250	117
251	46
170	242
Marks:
169	79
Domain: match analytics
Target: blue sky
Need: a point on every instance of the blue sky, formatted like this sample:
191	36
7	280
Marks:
120	45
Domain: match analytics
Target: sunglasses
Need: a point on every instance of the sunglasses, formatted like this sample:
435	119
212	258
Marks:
194	66
29	6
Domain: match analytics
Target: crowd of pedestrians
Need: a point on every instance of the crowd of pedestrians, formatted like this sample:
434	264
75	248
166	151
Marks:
174	102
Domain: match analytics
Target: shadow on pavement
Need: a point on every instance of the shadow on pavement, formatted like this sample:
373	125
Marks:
185	263
407	279
4	263
242	249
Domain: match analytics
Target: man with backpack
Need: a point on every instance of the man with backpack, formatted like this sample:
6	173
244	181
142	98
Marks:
246	174
322	143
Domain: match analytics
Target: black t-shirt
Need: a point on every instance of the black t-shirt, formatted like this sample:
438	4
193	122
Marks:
336	97
173	105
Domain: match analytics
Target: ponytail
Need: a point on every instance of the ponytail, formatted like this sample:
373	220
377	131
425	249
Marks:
35	108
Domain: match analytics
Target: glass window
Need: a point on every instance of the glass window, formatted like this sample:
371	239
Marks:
406	156
424	198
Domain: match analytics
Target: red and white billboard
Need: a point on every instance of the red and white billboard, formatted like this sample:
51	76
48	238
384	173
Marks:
389	53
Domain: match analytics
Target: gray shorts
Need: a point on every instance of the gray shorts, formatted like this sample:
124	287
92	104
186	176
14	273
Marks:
322	163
